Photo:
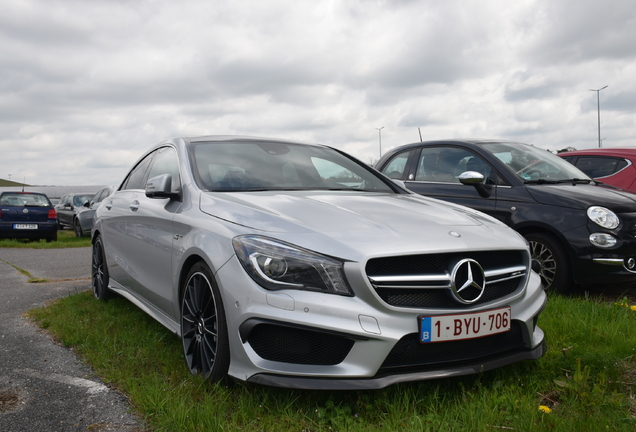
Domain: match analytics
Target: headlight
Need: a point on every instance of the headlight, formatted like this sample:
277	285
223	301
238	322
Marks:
603	217
276	265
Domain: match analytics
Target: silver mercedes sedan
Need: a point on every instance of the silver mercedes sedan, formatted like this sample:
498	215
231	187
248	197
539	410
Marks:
296	265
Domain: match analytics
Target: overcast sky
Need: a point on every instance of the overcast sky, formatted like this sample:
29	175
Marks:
87	86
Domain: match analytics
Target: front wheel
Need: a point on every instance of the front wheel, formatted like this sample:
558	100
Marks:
203	325
99	272
553	263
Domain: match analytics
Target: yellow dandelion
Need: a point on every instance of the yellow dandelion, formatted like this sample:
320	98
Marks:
545	409
633	308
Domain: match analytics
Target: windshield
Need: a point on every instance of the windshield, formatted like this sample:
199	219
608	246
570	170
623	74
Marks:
258	166
80	200
535	165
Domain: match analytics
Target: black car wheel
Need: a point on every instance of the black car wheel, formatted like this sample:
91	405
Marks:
203	325
553	265
99	272
77	228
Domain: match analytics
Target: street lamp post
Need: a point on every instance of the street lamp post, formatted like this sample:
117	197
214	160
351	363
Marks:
598	107
380	138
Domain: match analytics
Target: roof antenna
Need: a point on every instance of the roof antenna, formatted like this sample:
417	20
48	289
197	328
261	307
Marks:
23	183
418	129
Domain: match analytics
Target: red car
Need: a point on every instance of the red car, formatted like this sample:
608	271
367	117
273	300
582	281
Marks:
612	166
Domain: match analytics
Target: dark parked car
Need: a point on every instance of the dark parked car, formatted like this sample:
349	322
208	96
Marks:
612	166
84	219
296	265
580	231
27	215
68	208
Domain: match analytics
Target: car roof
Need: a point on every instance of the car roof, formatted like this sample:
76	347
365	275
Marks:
230	138
20	193
607	151
469	141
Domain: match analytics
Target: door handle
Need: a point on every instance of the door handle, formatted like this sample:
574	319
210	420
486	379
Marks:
109	205
134	206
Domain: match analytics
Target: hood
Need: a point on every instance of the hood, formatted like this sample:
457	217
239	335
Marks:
366	222
583	195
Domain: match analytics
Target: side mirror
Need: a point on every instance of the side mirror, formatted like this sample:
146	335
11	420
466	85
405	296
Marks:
473	178
161	187
400	183
87	204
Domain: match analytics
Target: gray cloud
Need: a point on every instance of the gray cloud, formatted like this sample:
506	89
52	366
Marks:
86	87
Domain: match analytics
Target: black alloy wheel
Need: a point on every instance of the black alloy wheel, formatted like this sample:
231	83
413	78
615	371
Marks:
99	272
203	325
553	265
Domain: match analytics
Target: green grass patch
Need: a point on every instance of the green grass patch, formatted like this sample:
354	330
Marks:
65	239
585	379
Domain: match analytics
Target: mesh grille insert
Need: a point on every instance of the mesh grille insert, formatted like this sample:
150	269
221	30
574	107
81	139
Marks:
299	346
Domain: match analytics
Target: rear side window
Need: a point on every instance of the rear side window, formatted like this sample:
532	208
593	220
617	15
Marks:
596	167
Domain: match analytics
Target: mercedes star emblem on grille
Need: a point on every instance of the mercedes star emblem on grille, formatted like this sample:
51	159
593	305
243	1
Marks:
467	281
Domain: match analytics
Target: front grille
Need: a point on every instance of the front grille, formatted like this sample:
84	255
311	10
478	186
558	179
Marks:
410	353
441	298
416	264
300	346
424	281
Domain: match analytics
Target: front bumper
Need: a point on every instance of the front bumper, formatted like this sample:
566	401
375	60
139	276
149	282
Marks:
318	341
594	265
45	230
379	382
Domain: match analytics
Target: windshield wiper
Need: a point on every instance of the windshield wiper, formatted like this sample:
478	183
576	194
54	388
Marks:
576	180
540	181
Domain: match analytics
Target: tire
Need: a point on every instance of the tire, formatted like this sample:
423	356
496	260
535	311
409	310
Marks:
555	270
99	272
203	325
77	228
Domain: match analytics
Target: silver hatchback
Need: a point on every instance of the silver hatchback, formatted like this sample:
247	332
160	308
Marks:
296	265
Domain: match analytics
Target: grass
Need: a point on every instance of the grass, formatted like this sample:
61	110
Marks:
65	239
585	380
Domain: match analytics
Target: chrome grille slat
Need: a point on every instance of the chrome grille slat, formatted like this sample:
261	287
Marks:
395	279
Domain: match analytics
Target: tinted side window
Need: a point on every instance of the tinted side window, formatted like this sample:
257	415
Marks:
135	179
166	162
446	164
396	167
595	166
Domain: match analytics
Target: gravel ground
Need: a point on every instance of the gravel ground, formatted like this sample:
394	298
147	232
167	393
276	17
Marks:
43	386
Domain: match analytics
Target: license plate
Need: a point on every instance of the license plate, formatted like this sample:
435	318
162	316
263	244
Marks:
443	328
25	226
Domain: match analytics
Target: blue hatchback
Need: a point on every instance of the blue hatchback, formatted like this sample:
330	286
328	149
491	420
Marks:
27	215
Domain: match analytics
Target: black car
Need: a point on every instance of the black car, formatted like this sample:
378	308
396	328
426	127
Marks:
580	231
27	215
69	207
